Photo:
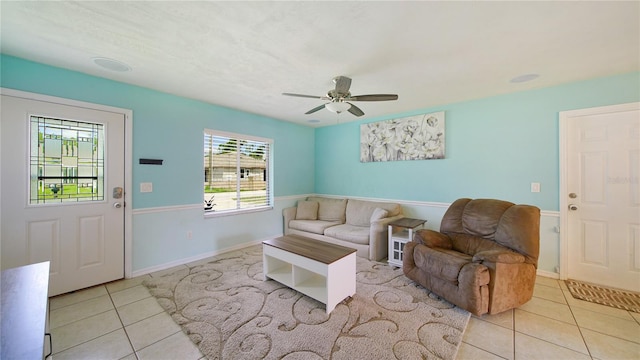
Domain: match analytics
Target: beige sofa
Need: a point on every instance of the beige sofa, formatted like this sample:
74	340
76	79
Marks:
358	224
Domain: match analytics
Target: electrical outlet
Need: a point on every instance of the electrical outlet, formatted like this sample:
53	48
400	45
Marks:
146	187
535	187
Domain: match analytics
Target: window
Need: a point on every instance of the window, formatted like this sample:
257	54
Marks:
66	162
236	172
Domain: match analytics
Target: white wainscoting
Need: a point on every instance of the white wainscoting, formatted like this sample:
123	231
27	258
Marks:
213	236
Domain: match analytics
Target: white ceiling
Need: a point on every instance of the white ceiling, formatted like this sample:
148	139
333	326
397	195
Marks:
243	55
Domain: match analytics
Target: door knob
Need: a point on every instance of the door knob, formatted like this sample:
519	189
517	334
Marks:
573	207
117	205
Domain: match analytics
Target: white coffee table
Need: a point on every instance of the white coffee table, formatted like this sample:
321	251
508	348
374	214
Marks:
320	270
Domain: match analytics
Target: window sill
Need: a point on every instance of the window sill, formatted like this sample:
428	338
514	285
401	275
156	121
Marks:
215	214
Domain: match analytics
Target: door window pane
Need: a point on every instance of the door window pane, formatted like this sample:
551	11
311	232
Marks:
66	162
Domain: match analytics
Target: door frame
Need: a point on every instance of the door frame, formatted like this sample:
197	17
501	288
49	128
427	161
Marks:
128	142
563	120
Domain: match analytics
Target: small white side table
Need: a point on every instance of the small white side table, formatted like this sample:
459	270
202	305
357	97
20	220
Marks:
399	238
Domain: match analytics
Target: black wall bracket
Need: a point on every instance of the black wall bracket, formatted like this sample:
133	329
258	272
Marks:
151	162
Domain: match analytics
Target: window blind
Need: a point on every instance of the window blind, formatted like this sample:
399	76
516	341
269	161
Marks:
236	172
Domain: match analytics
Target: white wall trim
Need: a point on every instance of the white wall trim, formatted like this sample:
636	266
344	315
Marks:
128	155
563	120
550	213
548	274
198	257
401	202
160	209
293	197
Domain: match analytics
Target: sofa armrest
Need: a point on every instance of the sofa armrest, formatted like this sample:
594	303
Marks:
379	237
499	256
288	214
432	239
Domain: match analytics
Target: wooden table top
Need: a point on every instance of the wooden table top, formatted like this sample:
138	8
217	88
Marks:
318	250
407	223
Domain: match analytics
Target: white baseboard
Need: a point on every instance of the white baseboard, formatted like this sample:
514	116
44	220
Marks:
548	274
198	257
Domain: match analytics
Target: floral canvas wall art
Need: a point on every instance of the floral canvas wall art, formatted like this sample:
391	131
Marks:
419	137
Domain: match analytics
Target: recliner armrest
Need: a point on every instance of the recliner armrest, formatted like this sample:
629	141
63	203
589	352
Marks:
499	256
432	239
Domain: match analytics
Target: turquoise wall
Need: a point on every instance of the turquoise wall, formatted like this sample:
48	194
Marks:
170	127
495	147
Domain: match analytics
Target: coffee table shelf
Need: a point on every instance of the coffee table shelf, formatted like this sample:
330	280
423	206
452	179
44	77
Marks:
324	272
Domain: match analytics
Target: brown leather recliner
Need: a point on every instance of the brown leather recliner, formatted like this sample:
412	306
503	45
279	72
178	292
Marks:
484	258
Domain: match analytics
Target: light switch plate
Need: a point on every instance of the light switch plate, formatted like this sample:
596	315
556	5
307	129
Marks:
146	187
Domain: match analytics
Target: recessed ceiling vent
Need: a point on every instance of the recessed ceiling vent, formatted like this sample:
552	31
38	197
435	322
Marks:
110	64
524	78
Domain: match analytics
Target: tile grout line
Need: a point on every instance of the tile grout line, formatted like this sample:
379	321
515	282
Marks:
135	353
633	320
578	324
513	334
84	318
485	350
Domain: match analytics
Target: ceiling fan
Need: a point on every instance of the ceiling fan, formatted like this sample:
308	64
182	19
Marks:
340	97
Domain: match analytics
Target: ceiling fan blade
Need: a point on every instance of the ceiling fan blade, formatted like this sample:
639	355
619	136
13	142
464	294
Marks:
355	110
374	97
305	96
343	84
317	108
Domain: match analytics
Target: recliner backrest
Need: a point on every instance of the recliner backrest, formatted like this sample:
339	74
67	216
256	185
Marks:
488	224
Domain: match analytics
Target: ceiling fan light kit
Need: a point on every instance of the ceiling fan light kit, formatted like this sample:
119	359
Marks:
340	96
337	107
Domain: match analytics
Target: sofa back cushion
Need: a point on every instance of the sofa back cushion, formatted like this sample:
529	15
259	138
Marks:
471	244
359	211
488	224
519	229
330	209
307	210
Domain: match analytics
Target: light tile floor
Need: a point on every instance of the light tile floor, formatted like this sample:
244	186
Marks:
553	325
120	320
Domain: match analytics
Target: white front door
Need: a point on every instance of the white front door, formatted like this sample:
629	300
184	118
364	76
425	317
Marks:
602	198
63	177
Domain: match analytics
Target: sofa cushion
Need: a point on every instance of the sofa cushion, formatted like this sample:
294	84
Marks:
441	263
307	210
330	209
499	256
351	233
378	214
312	226
472	245
359	211
481	217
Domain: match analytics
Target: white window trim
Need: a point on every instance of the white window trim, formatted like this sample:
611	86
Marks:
270	202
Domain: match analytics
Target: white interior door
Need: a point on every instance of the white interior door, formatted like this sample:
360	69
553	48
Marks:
602	199
62	170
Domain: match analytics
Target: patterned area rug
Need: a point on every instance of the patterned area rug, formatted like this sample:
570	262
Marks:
620	299
231	313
